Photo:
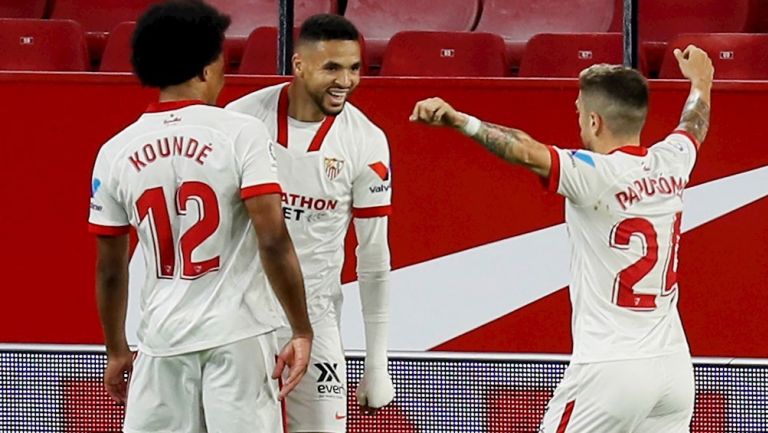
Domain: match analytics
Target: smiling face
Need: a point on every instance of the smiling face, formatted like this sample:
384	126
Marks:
328	72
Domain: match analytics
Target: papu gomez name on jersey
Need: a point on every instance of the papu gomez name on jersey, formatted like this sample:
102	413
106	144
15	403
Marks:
648	187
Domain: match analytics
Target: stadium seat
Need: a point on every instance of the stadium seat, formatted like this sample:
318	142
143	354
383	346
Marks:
444	54
99	17
736	56
247	15
661	20
565	55
117	52
518	20
23	8
378	21
260	54
42	45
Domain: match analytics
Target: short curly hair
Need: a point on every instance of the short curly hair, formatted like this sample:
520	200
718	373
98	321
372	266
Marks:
619	93
175	40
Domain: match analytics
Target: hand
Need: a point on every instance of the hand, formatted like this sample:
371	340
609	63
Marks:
118	365
436	112
695	64
375	390
295	355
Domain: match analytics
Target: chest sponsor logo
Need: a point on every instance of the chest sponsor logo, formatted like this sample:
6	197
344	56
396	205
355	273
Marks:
333	167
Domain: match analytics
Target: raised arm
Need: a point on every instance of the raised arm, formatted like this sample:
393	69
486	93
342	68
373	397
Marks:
696	65
284	273
513	145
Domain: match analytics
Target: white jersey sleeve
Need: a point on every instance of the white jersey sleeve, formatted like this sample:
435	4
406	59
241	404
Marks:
256	161
372	187
681	147
107	215
576	174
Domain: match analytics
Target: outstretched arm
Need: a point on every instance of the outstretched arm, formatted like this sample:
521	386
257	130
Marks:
513	145
697	67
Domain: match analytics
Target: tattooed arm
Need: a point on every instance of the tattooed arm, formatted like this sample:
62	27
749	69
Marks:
697	67
513	145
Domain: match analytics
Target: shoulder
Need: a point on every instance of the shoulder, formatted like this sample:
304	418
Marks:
257	102
364	130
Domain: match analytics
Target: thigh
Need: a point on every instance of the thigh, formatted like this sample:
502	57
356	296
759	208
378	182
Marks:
605	397
319	401
164	395
239	394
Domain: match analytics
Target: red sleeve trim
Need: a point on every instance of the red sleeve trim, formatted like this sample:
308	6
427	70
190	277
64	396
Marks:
554	170
100	230
263	189
689	136
372	212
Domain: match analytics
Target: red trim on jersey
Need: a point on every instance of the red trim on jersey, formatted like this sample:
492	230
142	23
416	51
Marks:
101	230
381	170
689	136
372	212
158	107
632	150
566	416
282	124
256	190
552	182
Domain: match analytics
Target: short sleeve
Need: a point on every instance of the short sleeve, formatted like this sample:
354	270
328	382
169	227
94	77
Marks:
679	146
372	188
107	216
257	165
575	174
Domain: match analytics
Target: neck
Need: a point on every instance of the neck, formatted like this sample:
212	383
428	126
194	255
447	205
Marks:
301	106
609	144
182	92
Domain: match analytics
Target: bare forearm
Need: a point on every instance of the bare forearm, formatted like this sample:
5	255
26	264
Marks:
112	301
282	268
695	116
515	146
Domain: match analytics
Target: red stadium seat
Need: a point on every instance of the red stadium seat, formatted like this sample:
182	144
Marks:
42	45
736	56
247	15
99	17
518	20
117	52
565	55
445	54
378	21
23	8
260	54
661	20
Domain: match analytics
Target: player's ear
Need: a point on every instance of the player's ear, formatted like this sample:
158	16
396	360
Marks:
297	64
595	123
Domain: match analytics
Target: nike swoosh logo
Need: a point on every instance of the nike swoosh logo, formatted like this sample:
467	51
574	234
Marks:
476	286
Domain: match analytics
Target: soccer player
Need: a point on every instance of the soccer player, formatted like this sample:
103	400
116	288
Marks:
333	165
199	185
631	369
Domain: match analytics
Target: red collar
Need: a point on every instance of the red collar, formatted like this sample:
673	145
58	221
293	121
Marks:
282	124
157	107
632	150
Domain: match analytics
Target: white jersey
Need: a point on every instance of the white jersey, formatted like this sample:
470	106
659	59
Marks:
179	175
330	171
623	214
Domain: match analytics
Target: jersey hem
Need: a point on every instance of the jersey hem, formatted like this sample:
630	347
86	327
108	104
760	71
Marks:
589	360
102	230
202	346
257	190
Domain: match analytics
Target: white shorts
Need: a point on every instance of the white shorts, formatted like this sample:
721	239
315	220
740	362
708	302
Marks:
634	396
319	401
227	389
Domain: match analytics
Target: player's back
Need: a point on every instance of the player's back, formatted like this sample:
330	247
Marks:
623	214
179	174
